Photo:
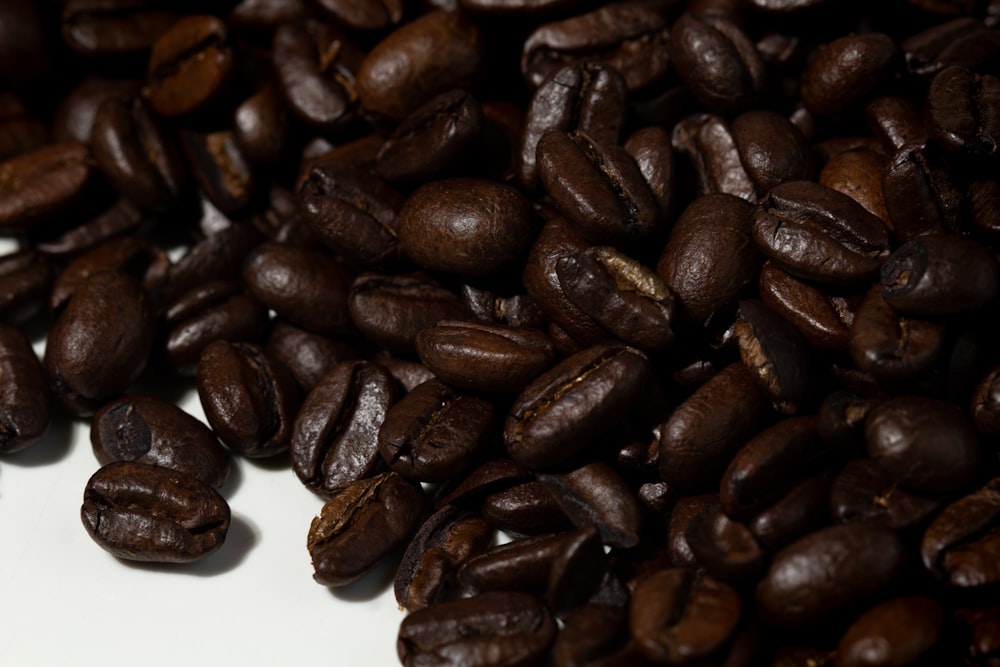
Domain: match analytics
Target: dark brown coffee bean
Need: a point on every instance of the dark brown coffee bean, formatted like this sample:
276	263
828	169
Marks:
677	616
683	513
711	149
709	261
334	439
827	571
446	540
391	310
726	549
364	15
316	66
864	491
25	57
146	429
308	356
220	169
960	546
983	197
483	357
39	186
963	109
897	121
588	632
651	149
429	55
468	226
891	346
845	73
777	356
527	508
587	96
631	37
898	631
249	401
986	403
362	525
137	511
105	29
983	627
920	195
261	126
302	285
802	509
100	342
937	275
24	394
564	410
819	234
595	495
434	433
598	187
963	42
858	174
622	296
717	62
772	149
19	132
495	628
25	282
190	64
217	256
436	140
704	431
353	212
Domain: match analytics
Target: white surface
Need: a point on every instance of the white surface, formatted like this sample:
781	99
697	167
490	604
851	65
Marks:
66	602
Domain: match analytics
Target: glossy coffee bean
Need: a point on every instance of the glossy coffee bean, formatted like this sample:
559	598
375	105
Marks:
772	149
845	72
25	393
361	525
565	409
308	356
146	429
727	549
190	64
249	401
365	15
964	112
526	508
507	628
113	29
594	494
43	184
959	547
897	631
920	195
864	491
777	356
261	126
858	173
708	143
143	512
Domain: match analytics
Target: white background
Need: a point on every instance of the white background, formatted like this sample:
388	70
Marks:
66	602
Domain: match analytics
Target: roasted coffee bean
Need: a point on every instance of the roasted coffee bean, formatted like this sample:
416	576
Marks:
130	255
433	53
353	212
819	234
897	121
435	433
683	513
467	226
717	62
651	149
802	509
74	117
864	491
631	37
983	197
261	126
146	429
703	432
190	65
491	307
334	439
19	132
265	15
960	546
302	285
100	342
678	615
25	281
445	541
527	508
316	66
846	72
963	42
106	29
858	174
920	195
726	549
484	357
841	420
587	96
983	633
23	43
39	186
249	401
709	261
139	158
363	524
595	495
891	346
494	628
964	112
220	169
898	631
308	356
711	149
777	356
588	633
216	311
827	571
598	187
364	15
24	406
142	512
565	409
217	256
937	275
622	296
391	310
772	149
434	141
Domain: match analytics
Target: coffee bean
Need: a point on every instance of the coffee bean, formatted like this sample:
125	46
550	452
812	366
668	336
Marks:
361	525
725	548
106	29
143	512
365	15
711	149
308	356
25	393
920	195
595	495
190	64
959	547
847	71
43	184
899	630
858	174
25	281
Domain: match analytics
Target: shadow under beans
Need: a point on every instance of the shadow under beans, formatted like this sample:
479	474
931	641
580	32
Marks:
52	448
242	537
372	585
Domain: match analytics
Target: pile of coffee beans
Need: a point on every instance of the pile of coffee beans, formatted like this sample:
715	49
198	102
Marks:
695	302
